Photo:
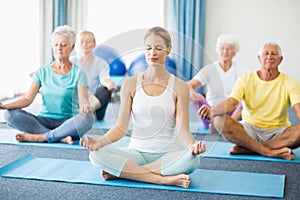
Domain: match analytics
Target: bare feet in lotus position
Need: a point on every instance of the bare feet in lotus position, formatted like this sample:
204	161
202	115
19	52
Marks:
241	150
284	153
180	180
27	137
67	140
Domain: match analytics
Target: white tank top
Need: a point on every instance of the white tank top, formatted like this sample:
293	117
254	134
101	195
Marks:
153	119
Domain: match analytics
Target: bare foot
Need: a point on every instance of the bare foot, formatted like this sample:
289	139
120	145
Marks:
181	180
241	150
27	137
67	140
284	153
108	176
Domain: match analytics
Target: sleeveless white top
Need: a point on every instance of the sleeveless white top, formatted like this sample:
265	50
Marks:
153	119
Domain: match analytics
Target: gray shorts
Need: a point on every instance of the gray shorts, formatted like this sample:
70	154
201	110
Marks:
260	134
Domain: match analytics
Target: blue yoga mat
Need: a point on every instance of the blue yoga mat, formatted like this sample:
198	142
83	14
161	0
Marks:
118	80
213	149
221	150
202	180
7	136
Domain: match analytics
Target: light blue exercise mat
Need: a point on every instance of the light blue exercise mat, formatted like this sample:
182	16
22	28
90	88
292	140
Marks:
215	149
221	150
118	80
202	180
7	136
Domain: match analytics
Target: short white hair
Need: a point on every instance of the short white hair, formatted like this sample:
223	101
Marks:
66	31
228	39
273	44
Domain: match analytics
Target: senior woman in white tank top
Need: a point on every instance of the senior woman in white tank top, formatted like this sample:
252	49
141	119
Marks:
162	149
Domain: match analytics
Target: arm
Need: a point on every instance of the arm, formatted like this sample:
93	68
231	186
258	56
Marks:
296	109
237	114
104	76
294	95
182	119
84	104
109	84
220	109
224	107
121	127
25	101
194	84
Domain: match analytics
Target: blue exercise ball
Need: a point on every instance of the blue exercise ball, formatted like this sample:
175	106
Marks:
111	56
139	64
117	68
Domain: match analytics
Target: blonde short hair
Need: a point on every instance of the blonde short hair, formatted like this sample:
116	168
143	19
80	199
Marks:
87	33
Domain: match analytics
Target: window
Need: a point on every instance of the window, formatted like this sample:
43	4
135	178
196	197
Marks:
19	43
20	35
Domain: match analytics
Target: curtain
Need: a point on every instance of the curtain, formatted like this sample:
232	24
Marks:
77	14
59	13
186	20
45	29
55	13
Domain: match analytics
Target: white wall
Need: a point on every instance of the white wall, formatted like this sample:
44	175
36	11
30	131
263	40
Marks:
114	19
107	19
254	22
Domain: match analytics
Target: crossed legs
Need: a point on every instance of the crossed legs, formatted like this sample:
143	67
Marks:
234	132
130	164
39	129
133	171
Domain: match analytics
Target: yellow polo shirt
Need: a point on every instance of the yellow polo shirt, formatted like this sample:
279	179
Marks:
266	103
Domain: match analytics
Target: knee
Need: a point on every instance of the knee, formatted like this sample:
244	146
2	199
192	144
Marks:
95	157
108	159
85	120
103	94
293	134
88	119
222	123
10	115
193	163
186	164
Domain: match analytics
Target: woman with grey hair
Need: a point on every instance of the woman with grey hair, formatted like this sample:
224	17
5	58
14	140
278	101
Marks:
65	114
218	77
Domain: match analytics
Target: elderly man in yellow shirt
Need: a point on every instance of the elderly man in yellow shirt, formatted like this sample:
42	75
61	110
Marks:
266	95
